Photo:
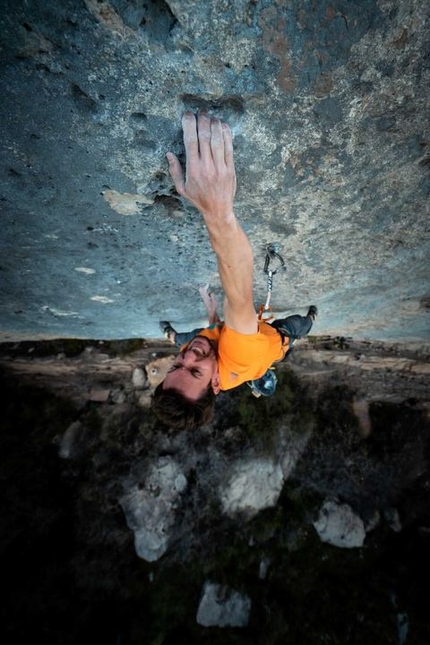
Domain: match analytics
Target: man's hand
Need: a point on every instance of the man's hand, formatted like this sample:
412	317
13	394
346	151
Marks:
210	181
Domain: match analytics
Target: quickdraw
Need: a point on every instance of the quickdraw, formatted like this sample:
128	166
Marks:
272	253
266	384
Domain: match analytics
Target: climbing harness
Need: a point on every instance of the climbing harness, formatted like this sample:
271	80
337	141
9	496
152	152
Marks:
272	254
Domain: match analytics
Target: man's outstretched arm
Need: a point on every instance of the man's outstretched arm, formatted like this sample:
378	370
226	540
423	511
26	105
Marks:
210	185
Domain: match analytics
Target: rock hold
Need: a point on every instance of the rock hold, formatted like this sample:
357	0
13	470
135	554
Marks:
223	607
138	378
252	486
338	525
69	439
149	510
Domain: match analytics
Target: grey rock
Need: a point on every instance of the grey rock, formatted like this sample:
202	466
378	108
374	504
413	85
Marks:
149	509
338	525
222	607
99	395
69	439
251	486
138	378
292	446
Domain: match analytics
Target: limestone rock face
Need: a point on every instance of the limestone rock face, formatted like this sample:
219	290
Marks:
149	510
252	486
138	378
223	607
328	105
69	440
338	525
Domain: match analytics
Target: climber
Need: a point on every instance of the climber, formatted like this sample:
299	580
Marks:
296	326
241	348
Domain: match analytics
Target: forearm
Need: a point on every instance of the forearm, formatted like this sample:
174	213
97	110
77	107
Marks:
235	265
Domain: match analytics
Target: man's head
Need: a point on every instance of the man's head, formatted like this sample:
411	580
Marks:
194	370
186	397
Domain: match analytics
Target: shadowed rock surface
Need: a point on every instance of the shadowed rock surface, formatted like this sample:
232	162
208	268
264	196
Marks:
301	518
328	104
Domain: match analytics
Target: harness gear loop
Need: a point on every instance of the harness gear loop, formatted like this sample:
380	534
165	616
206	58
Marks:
272	253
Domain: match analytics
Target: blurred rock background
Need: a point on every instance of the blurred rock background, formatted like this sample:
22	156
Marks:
302	517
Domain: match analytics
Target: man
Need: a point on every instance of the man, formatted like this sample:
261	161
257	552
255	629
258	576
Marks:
241	349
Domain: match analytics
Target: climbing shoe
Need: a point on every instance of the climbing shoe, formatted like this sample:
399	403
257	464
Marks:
168	332
312	312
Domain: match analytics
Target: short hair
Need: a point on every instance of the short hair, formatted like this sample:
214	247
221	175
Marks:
178	413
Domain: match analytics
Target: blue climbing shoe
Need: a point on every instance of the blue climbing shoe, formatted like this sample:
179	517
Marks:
168	332
312	312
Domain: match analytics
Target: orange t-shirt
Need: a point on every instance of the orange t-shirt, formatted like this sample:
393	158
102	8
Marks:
245	357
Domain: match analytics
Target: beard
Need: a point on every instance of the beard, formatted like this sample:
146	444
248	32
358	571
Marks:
212	344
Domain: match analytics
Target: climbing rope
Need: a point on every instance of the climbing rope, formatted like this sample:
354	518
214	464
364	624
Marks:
272	255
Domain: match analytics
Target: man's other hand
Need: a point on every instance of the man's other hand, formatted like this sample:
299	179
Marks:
210	178
211	304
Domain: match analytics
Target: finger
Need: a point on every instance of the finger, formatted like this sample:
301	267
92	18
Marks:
217	142
176	173
228	145
204	134
189	127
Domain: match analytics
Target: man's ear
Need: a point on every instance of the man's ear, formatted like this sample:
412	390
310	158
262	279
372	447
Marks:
216	385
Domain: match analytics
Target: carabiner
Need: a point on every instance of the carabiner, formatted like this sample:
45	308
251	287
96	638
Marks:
272	253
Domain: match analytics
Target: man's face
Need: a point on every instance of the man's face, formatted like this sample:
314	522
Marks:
193	370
